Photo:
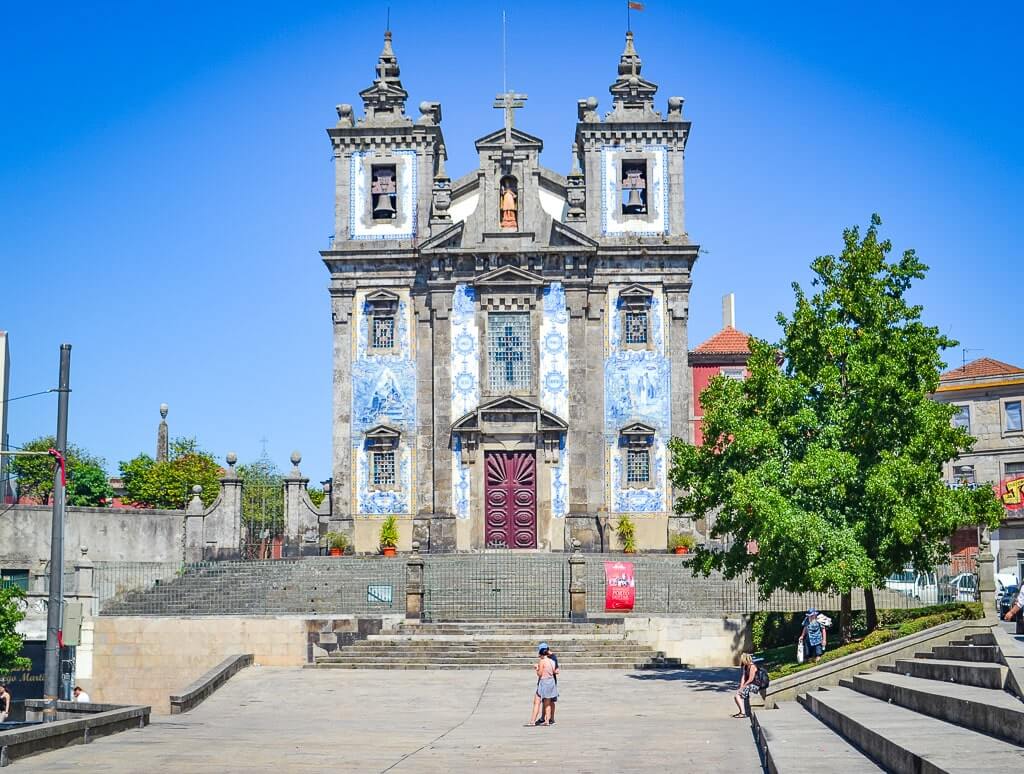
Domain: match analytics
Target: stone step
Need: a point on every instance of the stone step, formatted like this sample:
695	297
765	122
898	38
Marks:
904	741
615	665
511	640
982	675
973	653
427	649
986	710
793	742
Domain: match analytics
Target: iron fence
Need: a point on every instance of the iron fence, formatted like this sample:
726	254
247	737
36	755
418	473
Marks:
496	584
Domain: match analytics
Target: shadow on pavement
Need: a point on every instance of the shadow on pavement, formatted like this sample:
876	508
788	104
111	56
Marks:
718	680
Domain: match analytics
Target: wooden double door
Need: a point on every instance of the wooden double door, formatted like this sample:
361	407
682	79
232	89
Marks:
510	499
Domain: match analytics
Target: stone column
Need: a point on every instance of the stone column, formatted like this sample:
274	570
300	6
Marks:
442	521
414	584
577	584
341	486
423	475
195	516
677	301
297	517
224	523
986	575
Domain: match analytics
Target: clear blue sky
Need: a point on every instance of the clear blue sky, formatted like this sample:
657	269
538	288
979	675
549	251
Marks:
166	182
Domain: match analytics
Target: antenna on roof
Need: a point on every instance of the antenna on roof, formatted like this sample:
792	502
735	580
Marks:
504	53
963	354
387	27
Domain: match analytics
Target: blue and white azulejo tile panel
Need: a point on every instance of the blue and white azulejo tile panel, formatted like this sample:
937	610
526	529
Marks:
554	382
613	222
383	392
404	226
465	376
637	385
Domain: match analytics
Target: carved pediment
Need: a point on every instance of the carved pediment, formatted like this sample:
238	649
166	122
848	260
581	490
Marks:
637	429
382	437
450	237
508	416
636	295
520	139
566	236
382	300
508	277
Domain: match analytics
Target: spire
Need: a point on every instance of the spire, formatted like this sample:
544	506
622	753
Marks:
632	96
384	100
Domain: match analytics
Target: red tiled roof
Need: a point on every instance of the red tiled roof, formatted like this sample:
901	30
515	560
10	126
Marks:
727	341
982	367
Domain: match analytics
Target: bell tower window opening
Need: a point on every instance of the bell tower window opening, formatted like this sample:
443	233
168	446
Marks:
383	463
509	352
635	325
384	190
634	187
638	466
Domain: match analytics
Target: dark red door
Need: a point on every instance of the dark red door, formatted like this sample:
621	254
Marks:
510	499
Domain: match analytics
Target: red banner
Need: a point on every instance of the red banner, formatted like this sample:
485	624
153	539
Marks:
620	586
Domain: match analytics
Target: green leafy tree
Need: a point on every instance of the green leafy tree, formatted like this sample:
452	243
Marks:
833	463
262	495
316	495
168	483
87	482
10	641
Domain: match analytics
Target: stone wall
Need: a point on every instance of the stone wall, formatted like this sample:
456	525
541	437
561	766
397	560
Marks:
139	660
698	642
110	534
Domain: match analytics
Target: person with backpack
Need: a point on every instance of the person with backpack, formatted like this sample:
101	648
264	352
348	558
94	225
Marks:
815	634
748	675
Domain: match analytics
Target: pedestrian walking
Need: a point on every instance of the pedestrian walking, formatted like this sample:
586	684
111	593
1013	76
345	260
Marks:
546	669
747	674
813	635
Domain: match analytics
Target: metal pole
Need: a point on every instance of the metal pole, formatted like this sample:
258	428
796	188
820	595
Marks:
54	608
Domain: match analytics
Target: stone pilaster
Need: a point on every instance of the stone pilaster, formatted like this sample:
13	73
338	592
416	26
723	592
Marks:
577	585
300	517
424	473
441	306
341	487
414	584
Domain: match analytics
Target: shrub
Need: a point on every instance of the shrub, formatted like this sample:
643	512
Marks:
389	532
626	530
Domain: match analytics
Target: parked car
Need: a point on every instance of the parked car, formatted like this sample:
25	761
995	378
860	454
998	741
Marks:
962	588
904	582
926	588
1006	599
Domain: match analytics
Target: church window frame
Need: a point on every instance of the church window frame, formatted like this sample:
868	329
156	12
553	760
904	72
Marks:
636	445
381	309
382	446
635	318
638	467
384	185
510	355
634	174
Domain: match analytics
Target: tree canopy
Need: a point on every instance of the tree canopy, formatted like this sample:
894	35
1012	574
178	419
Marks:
262	494
168	483
87	482
10	641
833	462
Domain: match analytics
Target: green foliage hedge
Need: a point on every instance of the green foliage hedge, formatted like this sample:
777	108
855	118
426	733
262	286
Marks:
893	624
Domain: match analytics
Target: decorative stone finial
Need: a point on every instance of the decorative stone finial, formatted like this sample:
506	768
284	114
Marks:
384	101
84	550
345	115
231	458
415	546
163	411
632	96
296	457
196	490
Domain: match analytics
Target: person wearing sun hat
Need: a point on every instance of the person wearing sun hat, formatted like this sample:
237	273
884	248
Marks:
547	687
815	635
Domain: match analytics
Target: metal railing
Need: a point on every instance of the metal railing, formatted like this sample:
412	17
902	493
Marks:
496	585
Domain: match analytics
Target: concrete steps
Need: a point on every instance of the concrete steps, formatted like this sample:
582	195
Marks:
943	711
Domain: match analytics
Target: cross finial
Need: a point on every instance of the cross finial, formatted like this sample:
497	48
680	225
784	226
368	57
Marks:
508	102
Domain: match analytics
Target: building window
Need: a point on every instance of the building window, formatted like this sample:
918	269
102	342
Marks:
638	466
509	352
384	190
1013	470
384	469
635	325
963	475
1012	414
382	334
14	578
962	418
733	373
634	187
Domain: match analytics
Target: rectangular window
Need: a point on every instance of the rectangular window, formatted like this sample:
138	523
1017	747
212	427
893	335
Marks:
733	373
1013	469
509	352
18	578
638	466
384	468
1013	416
636	327
383	333
962	418
963	474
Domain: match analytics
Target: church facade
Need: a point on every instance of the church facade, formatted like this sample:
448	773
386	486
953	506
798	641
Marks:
510	347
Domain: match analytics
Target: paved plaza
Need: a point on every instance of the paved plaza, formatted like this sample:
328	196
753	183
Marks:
277	719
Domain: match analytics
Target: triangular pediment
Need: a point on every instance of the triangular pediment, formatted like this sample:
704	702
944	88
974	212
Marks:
382	297
636	292
520	139
383	432
546	422
450	237
566	236
637	429
508	276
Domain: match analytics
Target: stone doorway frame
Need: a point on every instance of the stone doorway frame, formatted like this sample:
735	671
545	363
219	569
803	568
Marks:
509	423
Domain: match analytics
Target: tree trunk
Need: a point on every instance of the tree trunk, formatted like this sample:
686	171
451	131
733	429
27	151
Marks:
870	610
845	616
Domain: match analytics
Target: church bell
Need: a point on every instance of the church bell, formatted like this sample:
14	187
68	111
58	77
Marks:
382	206
634	204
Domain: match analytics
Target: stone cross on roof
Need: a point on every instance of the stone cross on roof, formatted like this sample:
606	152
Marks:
508	102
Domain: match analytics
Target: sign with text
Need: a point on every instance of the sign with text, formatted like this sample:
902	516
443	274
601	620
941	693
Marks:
619	586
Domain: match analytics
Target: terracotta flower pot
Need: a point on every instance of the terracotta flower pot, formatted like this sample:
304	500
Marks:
336	552
682	550
388	550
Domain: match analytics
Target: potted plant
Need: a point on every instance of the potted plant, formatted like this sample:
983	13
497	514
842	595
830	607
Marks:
682	544
337	542
389	535
626	530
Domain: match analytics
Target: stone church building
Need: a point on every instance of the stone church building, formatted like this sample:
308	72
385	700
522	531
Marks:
510	347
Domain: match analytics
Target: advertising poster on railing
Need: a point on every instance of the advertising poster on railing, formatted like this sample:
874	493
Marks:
620	586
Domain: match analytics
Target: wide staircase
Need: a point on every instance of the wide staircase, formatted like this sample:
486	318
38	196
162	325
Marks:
943	711
498	645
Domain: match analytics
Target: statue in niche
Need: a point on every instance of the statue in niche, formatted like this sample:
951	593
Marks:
508	203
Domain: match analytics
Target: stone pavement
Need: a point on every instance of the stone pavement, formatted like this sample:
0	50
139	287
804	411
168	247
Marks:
283	720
